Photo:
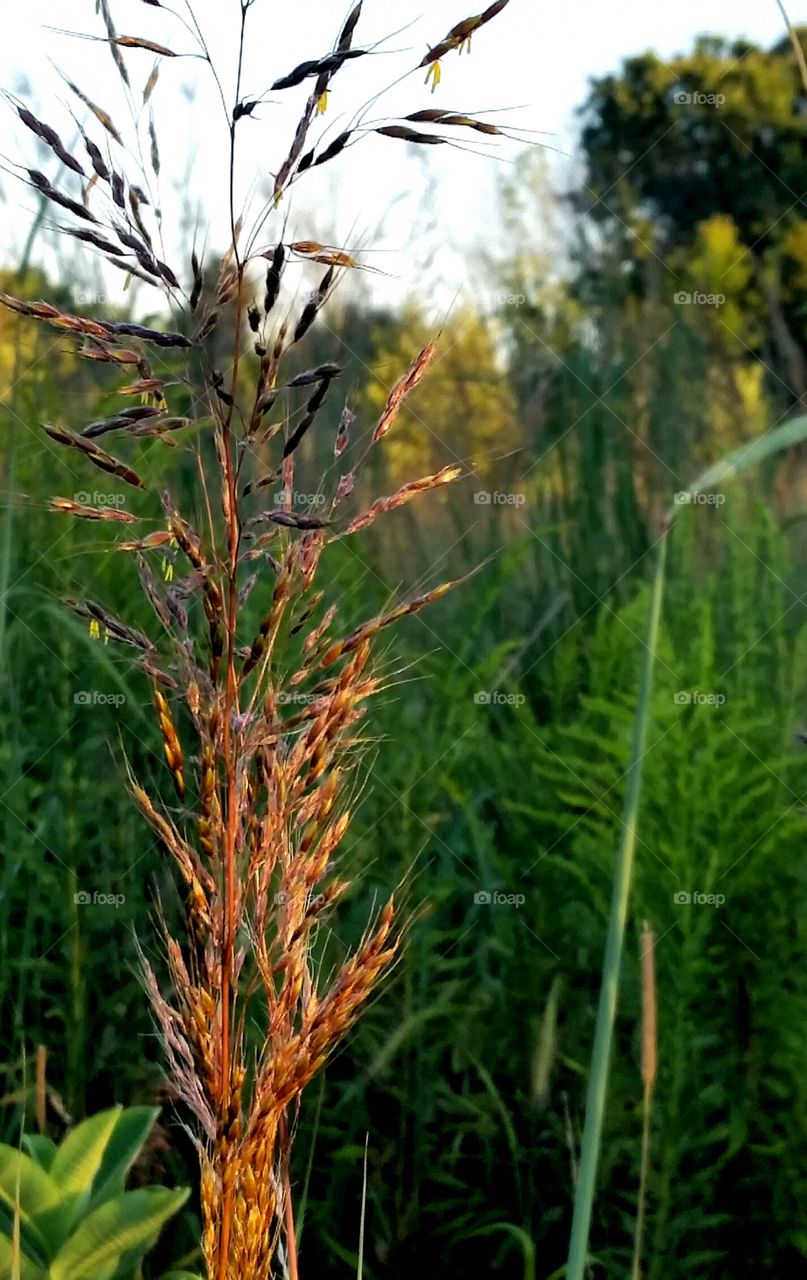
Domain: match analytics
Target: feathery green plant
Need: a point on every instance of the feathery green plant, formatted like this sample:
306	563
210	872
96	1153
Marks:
742	459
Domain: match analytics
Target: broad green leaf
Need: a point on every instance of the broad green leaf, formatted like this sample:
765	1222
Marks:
113	1229
79	1157
129	1265
181	1275
40	1148
28	1270
38	1191
131	1130
39	1203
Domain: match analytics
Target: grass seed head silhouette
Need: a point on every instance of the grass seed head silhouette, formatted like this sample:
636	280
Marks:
259	731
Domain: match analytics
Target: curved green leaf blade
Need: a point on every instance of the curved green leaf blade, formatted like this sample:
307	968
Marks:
748	455
112	1230
38	1191
131	1130
23	1182
40	1148
79	1157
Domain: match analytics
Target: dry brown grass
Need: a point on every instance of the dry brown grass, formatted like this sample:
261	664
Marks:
260	731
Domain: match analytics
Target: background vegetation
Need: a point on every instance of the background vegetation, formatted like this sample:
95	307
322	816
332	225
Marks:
581	400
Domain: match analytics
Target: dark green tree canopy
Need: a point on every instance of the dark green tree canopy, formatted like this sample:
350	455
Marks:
720	130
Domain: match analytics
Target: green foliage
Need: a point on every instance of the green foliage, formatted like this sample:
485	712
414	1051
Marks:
461	1139
469	1158
68	1203
741	460
469	1074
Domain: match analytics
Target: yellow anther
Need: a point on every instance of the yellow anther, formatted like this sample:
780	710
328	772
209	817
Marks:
434	74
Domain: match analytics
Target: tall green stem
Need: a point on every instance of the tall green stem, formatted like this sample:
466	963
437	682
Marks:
609	988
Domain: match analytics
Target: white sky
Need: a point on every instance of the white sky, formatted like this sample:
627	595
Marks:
534	59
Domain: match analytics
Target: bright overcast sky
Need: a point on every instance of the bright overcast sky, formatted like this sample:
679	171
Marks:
534	59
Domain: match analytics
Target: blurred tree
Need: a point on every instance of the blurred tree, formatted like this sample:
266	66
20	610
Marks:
463	411
722	129
717	133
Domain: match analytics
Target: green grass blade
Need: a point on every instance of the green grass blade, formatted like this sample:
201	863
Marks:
362	1221
747	456
609	987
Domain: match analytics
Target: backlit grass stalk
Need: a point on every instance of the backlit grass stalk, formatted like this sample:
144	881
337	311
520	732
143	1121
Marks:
649	1072
260	728
609	986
